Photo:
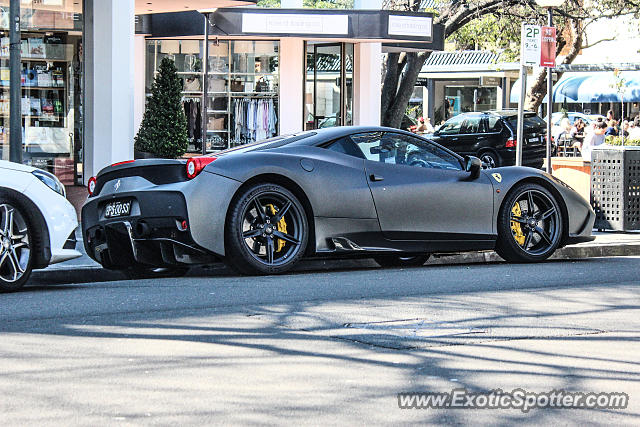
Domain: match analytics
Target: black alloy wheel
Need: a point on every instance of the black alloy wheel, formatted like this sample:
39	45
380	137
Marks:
401	261
267	231
15	247
530	225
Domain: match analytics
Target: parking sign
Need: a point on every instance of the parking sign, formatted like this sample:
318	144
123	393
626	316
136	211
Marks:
530	47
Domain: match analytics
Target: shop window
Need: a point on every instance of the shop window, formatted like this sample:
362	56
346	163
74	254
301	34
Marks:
241	103
51	86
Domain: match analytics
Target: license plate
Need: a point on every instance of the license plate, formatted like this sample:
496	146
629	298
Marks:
535	139
117	209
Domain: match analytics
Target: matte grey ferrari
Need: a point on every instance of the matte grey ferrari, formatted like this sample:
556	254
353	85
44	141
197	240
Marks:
340	192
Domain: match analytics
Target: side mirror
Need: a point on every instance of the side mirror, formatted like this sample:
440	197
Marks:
473	165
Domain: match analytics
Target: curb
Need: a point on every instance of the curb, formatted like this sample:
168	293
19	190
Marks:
93	272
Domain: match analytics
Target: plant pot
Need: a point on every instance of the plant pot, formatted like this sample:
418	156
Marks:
615	179
143	155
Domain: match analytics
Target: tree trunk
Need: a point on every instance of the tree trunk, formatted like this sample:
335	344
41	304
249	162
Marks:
394	114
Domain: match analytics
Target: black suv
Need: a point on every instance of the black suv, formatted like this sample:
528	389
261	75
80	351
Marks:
491	136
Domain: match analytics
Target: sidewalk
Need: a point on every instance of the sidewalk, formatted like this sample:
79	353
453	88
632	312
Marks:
606	244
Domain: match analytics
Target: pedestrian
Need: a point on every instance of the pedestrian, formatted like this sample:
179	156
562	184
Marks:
595	136
611	129
634	129
610	115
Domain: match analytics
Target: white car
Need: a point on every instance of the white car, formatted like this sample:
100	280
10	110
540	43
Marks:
37	223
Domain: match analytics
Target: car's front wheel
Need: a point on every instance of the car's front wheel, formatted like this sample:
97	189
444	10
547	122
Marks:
267	230
529	225
401	261
15	246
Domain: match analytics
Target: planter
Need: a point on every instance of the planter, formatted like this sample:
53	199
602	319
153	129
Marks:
143	155
575	172
615	188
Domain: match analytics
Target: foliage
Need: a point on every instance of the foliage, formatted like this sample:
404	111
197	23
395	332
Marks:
163	131
617	140
493	32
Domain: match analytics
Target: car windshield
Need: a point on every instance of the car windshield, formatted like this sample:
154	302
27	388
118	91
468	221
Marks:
530	122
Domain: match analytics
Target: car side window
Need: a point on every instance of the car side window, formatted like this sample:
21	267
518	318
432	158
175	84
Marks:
400	149
452	126
345	145
369	145
494	125
472	124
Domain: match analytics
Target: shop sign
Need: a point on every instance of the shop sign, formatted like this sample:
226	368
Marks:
413	26
490	81
530	48
548	47
295	23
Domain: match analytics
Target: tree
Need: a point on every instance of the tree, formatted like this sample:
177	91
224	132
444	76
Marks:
163	131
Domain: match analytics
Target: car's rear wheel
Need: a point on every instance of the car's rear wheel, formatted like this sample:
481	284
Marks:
267	230
529	225
401	261
16	256
489	159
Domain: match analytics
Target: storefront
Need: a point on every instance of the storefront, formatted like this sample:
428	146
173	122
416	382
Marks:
459	82
274	71
51	87
86	66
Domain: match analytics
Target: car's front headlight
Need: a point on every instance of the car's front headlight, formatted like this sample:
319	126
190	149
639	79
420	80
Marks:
51	181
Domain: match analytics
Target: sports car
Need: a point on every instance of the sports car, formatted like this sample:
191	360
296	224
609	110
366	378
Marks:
37	223
340	192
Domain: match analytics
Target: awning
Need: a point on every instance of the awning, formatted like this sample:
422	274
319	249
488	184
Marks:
590	87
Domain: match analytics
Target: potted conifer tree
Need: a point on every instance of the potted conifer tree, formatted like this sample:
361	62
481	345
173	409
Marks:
163	132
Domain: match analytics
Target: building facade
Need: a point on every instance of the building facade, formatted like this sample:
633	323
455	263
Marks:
86	67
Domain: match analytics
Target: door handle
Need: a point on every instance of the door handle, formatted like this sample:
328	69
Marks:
375	177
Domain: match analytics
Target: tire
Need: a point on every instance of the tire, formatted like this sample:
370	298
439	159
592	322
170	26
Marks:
489	158
137	273
266	231
401	261
525	236
16	240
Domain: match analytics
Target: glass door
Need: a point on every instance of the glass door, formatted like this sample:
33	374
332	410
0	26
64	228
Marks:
328	85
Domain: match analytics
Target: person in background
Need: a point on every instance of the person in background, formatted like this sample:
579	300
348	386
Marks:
610	115
611	129
595	136
424	125
634	129
577	133
625	128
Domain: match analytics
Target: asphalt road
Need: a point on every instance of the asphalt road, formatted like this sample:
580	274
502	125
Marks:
319	347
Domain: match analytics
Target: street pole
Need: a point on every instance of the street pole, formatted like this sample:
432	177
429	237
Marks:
205	84
520	133
549	98
15	82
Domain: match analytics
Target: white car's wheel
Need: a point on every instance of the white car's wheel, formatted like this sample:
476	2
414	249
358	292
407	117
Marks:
16	255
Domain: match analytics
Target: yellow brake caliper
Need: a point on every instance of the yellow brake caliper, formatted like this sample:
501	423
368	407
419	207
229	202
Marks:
281	226
515	226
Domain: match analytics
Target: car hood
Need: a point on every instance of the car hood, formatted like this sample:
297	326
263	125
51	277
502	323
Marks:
16	166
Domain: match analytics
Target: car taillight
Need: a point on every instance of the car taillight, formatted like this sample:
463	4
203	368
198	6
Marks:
91	186
511	143
196	164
